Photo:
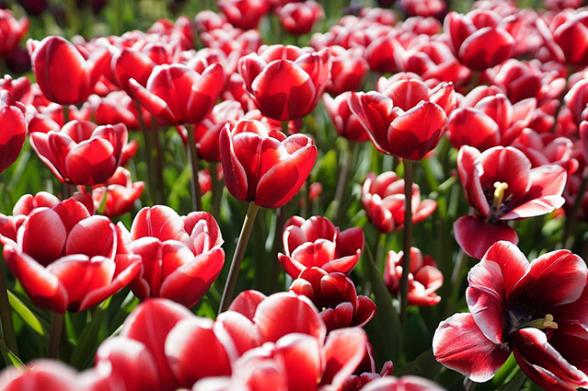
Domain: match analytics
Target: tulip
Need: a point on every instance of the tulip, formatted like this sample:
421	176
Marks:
545	148
501	185
181	257
244	14
479	39
81	153
564	36
62	72
413	383
209	20
232	40
409	132
50	268
424	277
11	31
19	90
127	64
534	310
381	52
486	119
366	372
263	166
299	18
424	8
118	194
316	242
13	132
118	107
383	200
286	82
348	70
337	297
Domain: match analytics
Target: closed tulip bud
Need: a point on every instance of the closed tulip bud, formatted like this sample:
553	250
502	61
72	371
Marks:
299	18
13	130
244	14
345	122
264	166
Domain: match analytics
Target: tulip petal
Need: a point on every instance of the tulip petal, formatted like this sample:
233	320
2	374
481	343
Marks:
246	303
301	358
160	222
83	235
475	236
343	352
43	236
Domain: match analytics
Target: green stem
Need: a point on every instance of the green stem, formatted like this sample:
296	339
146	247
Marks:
408	180
147	151
55	336
238	256
348	159
568	239
217	190
158	169
194	162
65	114
6	314
456	279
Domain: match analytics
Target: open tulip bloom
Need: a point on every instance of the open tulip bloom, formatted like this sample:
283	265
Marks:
293	195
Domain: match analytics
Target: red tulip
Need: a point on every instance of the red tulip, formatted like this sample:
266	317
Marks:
381	16
81	153
486	119
348	70
535	310
208	20
545	148
345	122
424	8
118	107
316	242
335	294
207	131
382	51
232	40
181	257
565	37
11	31
409	134
244	14
299	18
62	72
367	372
13	131
412	383
501	185
176	94
118	194
383	201
424	278
264	166
19	90
127	64
286	82
51	268
479	39
576	101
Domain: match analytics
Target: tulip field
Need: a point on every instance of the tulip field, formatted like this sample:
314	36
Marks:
274	195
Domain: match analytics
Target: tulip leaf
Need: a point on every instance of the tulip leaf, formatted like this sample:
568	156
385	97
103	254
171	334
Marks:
8	356
26	314
89	339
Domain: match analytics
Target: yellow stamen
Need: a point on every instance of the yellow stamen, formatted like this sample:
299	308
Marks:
544	323
499	189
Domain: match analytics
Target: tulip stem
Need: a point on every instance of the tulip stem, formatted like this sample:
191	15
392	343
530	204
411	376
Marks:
568	239
147	151
65	114
195	186
6	314
55	336
217	190
158	169
238	256
408	180
348	159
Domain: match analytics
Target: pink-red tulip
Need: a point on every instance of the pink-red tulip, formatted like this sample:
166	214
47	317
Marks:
424	278
535	310
176	94
286	82
299	18
62	72
566	36
82	153
118	194
11	31
264	166
546	148
206	133
480	38
348	70
383	200
13	130
68	269
412	383
345	122
181	256
335	294
316	242
424	7
244	14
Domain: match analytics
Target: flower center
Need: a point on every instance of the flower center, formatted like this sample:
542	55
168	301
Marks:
542	323
499	190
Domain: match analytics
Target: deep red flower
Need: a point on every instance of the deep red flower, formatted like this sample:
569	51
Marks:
408	128
62	72
299	18
335	294
501	185
316	242
480	38
181	256
118	194
176	94
383	201
13	131
412	383
424	278
265	166
206	133
536	310
68	269
129	63
382	51
345	122
244	14
348	70
81	153
286	82
11	31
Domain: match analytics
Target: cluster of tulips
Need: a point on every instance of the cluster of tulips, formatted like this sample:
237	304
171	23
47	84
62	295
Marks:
340	143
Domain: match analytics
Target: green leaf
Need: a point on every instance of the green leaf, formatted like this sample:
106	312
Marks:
89	339
8	356
26	314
